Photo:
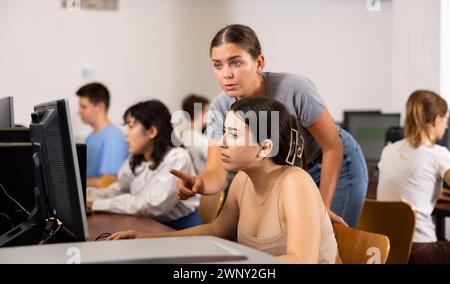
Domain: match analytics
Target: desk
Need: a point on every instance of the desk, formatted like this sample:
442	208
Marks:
175	250
99	223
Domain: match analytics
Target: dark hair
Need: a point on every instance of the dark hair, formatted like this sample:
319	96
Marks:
188	104
422	108
96	93
152	113
284	130
240	35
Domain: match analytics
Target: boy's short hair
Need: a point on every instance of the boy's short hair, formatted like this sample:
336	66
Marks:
188	104
96	93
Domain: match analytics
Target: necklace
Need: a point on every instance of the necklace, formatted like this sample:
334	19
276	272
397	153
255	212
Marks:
270	190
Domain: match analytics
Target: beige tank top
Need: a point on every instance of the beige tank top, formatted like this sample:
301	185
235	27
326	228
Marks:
264	230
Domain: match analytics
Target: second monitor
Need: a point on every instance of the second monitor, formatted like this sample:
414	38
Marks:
369	130
6	112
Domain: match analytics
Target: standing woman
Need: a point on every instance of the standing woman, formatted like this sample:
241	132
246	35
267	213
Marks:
334	159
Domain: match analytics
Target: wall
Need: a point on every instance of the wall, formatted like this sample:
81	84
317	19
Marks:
344	49
147	49
159	49
445	47
416	49
445	66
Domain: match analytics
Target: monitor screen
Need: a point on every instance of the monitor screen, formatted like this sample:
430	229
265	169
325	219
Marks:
369	130
53	144
6	112
349	113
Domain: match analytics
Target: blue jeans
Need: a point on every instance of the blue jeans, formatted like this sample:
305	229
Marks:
190	220
348	199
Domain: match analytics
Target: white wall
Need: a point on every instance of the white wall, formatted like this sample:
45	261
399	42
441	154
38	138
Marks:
445	66
445	49
416	48
147	49
344	49
160	49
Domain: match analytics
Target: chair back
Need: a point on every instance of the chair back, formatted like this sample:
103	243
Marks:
394	219
360	247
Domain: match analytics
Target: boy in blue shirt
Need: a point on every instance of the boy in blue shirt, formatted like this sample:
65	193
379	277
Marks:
106	146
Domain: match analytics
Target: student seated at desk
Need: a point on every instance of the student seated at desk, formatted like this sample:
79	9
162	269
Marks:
106	146
272	205
189	130
145	186
412	171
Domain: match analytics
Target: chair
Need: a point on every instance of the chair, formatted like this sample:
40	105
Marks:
210	206
394	219
360	247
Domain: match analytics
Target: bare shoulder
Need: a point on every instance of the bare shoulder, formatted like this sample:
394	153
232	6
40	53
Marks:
295	180
295	175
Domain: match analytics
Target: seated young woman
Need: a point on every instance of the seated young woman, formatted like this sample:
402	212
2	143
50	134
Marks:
145	186
412	170
272	204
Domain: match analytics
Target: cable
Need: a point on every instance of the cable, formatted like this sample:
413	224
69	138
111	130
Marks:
102	236
17	203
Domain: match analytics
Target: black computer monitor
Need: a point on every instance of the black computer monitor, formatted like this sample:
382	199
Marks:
349	113
394	134
6	112
369	130
59	204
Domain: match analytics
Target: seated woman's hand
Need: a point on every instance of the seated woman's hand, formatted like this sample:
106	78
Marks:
187	185
130	234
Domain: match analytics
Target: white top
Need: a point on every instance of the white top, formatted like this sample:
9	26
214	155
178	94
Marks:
414	176
151	193
197	144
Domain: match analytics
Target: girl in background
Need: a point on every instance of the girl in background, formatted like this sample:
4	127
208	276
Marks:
145	186
412	170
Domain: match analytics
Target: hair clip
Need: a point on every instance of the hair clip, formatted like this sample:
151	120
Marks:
292	149
297	152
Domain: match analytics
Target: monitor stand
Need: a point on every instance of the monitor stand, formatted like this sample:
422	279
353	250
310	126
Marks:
29	232
41	227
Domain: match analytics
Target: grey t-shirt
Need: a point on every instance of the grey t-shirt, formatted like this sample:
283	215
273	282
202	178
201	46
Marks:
297	93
